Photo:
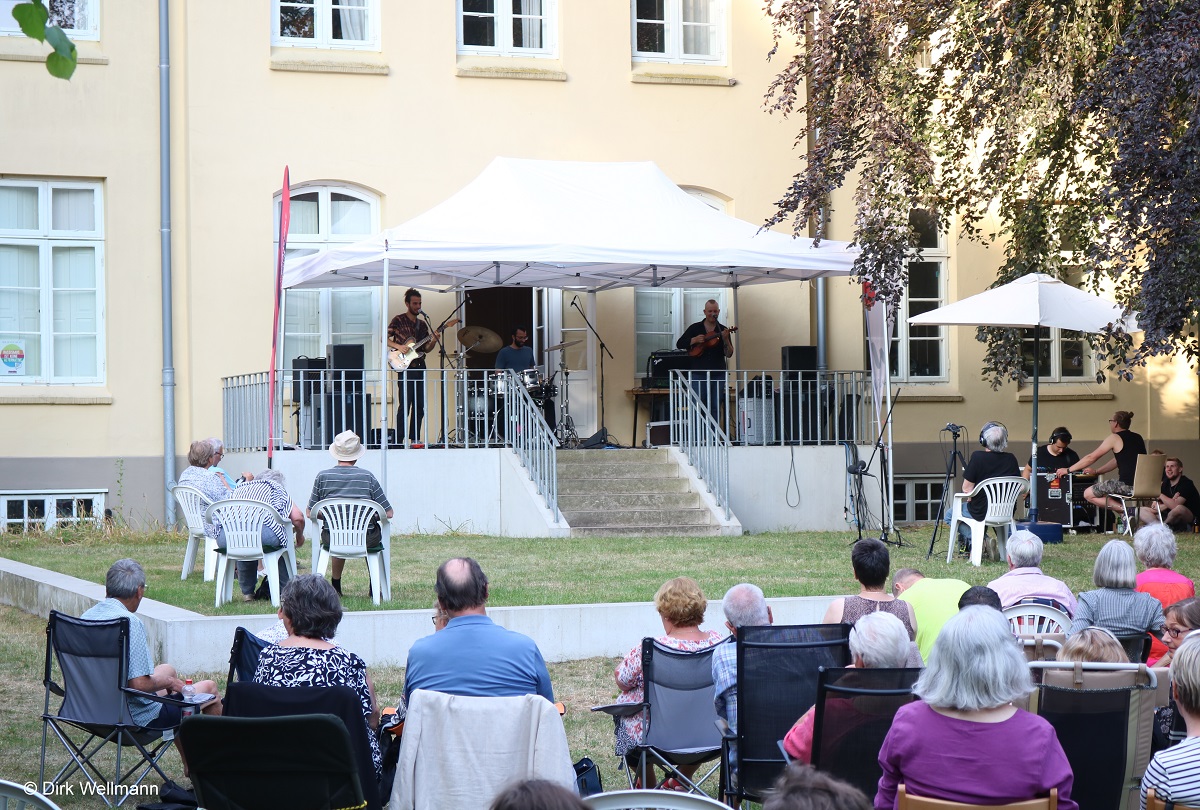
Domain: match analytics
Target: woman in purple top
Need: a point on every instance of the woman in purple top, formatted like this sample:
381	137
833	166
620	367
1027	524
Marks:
964	741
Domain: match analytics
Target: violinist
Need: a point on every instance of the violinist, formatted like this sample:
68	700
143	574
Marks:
708	366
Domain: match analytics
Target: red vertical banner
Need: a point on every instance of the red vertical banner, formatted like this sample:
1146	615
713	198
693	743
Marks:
285	217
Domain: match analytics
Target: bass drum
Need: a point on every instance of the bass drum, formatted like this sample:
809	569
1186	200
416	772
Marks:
543	392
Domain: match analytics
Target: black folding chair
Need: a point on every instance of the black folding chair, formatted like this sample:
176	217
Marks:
92	660
1137	647
258	700
854	713
302	762
243	656
681	719
776	685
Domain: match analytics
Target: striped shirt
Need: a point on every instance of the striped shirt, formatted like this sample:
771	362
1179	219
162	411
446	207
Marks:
1123	611
274	496
1175	774
347	482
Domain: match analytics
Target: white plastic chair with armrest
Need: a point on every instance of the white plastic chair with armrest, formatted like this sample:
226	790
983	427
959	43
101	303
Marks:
1027	620
348	520
1002	494
193	502
1147	486
670	800
242	522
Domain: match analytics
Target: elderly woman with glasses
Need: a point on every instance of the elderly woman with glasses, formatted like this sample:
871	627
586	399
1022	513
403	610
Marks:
1115	605
1155	547
311	611
964	741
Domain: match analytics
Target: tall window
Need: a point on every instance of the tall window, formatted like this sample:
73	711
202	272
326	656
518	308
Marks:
662	315
323	217
51	282
326	23
78	18
507	27
919	352
679	30
1065	355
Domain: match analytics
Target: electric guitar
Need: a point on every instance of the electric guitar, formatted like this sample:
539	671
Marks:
697	349
401	357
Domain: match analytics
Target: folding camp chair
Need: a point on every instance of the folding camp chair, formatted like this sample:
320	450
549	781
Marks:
854	713
244	654
681	720
1137	646
777	669
92	661
302	762
257	700
1146	487
1103	716
16	797
906	801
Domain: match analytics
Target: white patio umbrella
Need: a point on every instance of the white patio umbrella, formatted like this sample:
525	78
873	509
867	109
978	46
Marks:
1031	301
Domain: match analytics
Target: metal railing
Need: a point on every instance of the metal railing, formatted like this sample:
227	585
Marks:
433	407
775	407
698	435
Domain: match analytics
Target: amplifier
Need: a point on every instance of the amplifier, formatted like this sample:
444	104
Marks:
660	364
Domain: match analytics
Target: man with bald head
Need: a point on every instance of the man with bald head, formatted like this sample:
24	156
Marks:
473	656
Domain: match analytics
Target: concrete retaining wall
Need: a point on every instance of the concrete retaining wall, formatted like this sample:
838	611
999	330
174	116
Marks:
195	643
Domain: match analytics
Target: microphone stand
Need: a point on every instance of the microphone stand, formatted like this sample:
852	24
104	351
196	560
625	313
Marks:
603	351
860	469
441	344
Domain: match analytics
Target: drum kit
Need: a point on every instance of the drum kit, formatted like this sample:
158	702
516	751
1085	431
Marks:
480	413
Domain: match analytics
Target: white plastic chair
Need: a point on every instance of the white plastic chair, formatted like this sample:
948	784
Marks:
193	502
242	522
1002	495
18	797
1028	620
1147	486
670	800
347	520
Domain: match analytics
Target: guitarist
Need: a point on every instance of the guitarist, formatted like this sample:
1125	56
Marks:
708	368
407	329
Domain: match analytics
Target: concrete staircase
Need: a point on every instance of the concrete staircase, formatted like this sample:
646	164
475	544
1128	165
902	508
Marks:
629	493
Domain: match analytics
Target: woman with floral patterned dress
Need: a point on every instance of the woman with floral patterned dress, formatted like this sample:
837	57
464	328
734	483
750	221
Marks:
681	605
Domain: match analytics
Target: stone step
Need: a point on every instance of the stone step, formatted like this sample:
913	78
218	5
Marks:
637	517
601	501
615	486
619	470
642	456
645	531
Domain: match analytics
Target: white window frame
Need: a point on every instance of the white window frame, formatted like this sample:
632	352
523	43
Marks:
50	519
678	320
1054	374
902	331
905	497
504	43
46	238
90	14
323	21
674	25
321	241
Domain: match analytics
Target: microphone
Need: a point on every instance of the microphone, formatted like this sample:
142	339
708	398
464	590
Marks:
953	428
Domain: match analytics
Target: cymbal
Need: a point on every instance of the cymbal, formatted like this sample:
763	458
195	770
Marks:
558	346
487	341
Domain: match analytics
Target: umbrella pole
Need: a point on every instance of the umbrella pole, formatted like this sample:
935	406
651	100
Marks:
1033	490
383	375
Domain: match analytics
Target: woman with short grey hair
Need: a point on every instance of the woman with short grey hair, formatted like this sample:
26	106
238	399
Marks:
965	723
1115	605
1155	547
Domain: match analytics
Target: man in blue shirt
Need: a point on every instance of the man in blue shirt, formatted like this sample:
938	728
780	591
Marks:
518	356
473	656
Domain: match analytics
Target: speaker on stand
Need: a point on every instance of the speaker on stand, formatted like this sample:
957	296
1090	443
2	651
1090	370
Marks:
307	396
346	405
797	409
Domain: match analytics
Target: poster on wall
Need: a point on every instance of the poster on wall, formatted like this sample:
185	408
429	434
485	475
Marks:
12	358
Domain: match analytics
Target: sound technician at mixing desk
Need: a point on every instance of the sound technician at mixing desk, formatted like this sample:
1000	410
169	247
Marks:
1055	457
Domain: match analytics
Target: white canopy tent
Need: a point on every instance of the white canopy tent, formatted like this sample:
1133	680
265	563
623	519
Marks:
562	224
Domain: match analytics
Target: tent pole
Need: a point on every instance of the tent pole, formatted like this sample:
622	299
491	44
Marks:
383	376
890	499
1037	355
737	347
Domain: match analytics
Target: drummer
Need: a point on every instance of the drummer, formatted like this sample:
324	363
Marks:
518	356
1055	457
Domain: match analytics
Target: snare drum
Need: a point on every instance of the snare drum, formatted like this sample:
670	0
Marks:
497	384
543	392
531	378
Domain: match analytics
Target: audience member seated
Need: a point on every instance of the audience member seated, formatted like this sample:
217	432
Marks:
311	611
871	563
537	794
964	741
267	487
199	473
803	787
473	656
1025	579
1093	645
979	595
1115	605
124	589
218	453
1179	501
1175	773
933	602
680	604
1181	619
993	461
1155	547
744	606
877	641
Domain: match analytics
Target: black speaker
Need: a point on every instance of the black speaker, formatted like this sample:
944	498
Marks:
799	358
346	362
596	440
306	378
345	412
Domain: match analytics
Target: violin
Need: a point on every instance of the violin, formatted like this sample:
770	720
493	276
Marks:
697	349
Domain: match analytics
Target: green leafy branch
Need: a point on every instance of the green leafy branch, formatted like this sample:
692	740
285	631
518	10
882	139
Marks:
34	19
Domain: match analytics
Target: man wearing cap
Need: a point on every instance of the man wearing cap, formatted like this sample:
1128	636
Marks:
346	480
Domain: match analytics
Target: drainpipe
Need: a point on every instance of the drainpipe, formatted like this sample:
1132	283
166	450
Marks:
164	206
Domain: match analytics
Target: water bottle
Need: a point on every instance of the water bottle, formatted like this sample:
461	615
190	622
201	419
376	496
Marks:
189	691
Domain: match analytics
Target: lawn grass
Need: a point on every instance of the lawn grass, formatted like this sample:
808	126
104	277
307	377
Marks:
522	572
